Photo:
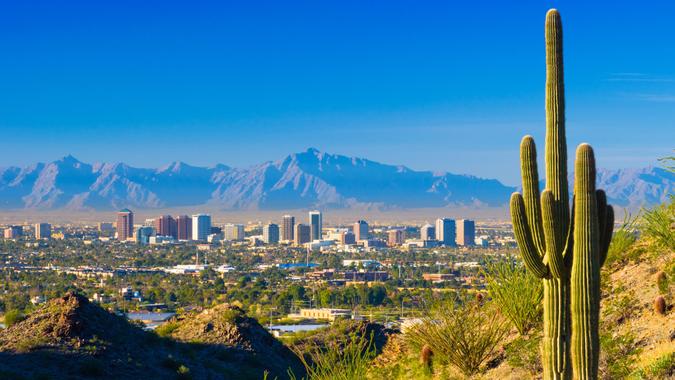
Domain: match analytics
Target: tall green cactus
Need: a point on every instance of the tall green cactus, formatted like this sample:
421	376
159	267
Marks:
541	224
544	228
593	224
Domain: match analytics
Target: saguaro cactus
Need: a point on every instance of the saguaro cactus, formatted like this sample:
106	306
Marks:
561	245
541	224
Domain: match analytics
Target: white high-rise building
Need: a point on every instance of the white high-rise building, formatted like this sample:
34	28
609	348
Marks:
446	232
233	232
427	232
315	225
466	232
361	230
201	227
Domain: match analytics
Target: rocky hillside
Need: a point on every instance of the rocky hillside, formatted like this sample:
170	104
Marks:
71	338
300	180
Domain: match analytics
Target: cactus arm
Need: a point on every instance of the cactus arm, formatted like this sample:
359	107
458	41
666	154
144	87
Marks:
585	276
556	145
554	238
531	257
606	234
530	178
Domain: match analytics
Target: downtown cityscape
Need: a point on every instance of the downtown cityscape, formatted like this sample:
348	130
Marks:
364	199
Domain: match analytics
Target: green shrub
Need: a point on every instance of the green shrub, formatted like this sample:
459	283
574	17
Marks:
617	355
663	283
464	333
183	373
13	317
348	359
523	352
165	329
622	241
656	224
662	367
516	292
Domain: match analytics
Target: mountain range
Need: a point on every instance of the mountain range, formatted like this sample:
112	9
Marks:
301	180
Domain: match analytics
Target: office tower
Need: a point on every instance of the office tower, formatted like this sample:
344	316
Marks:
43	230
395	237
233	232
13	232
271	233
125	224
361	230
106	229
142	234
165	225
446	232
201	226
302	233
184	227
428	232
288	228
466	232
316	225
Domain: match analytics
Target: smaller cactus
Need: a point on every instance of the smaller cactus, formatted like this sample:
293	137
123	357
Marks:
660	305
426	358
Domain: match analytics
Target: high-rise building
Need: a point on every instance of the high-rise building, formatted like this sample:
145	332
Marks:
302	233
315	224
43	230
201	227
165	225
428	232
466	232
184	227
446	232
395	237
125	224
13	232
142	234
288	228
233	232
271	233
361	230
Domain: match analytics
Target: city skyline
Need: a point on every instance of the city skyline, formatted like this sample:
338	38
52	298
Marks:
242	76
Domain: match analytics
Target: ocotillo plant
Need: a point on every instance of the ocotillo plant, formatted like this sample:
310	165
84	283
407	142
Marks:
545	230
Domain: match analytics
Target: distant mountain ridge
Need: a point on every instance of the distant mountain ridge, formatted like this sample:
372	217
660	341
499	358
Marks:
300	180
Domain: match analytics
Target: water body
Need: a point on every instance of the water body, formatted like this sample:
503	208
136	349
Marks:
296	328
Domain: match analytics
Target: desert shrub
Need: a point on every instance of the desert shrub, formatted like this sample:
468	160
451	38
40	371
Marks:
662	367
165	329
463	333
617	355
621	306
657	225
516	292
663	283
13	317
622	240
183	373
348	359
523	352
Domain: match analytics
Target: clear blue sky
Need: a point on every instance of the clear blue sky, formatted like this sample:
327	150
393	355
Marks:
447	85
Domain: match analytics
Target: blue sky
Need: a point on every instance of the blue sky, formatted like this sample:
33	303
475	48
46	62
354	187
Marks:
437	85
